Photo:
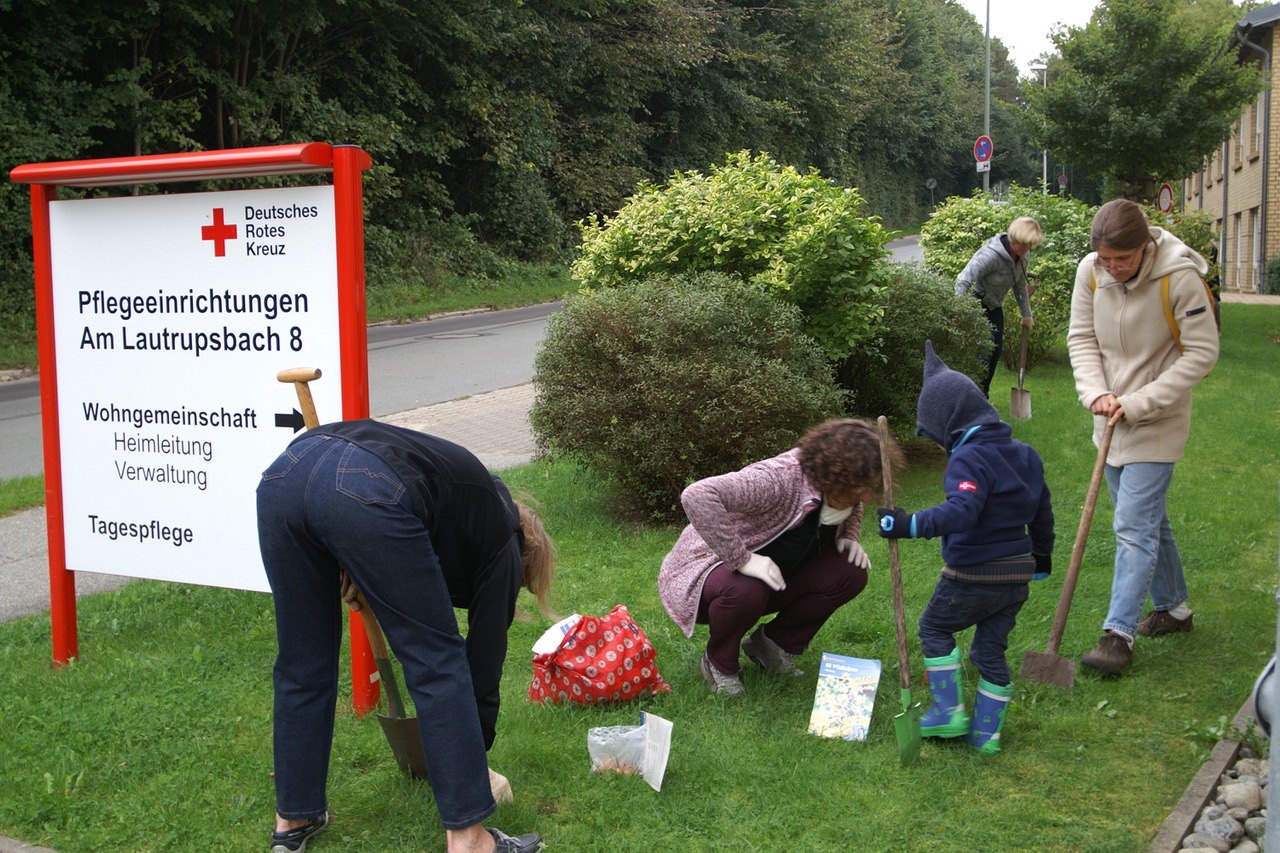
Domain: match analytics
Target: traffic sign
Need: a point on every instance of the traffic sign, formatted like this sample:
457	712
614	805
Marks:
982	149
1062	180
1164	199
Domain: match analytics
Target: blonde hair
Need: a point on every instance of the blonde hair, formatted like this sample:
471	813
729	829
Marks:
537	559
1026	231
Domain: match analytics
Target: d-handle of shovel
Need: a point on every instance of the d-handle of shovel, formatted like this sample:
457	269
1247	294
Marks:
300	376
1082	538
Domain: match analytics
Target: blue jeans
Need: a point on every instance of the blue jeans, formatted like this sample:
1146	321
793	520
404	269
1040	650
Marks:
323	503
991	609
1147	558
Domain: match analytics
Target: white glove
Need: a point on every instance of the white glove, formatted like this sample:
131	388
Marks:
854	552
501	788
762	568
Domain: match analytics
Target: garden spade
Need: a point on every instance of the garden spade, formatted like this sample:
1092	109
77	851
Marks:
907	724
1048	667
401	731
1020	400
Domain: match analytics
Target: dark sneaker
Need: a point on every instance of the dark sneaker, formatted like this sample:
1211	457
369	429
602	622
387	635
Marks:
530	842
729	685
1158	623
767	654
295	840
1112	656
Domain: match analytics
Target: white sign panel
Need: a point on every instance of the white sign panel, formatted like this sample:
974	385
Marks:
173	314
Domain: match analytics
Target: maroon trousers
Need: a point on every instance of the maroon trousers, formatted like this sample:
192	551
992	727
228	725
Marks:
732	604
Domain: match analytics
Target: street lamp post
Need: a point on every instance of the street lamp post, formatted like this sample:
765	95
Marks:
986	109
1044	169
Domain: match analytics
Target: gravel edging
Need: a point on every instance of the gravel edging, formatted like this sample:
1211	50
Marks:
1182	820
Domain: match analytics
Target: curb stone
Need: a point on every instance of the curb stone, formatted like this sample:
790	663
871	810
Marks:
1182	820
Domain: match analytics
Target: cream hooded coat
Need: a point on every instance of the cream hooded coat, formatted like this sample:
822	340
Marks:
1120	343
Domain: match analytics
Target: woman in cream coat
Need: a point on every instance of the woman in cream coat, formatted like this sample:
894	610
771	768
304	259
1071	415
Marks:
1131	370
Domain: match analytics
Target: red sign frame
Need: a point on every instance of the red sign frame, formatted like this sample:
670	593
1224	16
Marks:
346	163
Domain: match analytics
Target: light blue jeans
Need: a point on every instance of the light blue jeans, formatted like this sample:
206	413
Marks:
1147	558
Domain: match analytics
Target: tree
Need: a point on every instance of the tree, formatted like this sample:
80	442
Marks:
1145	89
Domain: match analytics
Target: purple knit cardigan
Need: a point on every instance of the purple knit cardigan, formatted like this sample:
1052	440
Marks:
732	515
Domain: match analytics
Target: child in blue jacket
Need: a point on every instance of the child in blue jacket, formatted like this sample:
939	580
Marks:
997	535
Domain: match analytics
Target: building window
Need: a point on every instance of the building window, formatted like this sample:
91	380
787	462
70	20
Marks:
1255	267
1237	144
1259	108
1239	251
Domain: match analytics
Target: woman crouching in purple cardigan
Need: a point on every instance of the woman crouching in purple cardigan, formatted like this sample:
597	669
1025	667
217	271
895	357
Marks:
780	536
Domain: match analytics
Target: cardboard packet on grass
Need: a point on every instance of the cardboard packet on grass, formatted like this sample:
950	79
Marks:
632	750
844	697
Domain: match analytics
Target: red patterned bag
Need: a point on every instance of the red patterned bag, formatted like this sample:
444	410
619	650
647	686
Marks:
601	659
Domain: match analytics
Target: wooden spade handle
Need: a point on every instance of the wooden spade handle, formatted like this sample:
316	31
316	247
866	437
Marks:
895	570
1022	358
1082	537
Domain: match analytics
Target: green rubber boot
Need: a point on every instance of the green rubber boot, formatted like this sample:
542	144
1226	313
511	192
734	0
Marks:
989	709
946	717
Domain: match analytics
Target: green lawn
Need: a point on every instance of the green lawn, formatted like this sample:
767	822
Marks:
159	737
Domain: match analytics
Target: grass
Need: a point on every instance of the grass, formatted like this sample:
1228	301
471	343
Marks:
519	284
19	493
159	737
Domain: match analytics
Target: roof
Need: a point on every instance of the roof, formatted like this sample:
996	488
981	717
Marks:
1266	16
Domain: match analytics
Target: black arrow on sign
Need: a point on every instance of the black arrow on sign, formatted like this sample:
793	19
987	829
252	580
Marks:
294	420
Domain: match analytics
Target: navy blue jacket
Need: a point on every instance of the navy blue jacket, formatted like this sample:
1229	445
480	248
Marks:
997	502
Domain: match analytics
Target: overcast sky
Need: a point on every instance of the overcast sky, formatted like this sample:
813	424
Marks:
1023	25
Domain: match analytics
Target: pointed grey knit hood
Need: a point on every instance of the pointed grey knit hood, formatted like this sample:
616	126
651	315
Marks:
950	402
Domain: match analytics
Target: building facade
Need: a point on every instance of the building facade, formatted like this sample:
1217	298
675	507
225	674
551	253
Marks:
1238	180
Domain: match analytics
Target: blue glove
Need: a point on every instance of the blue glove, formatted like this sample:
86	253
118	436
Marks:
1044	565
895	523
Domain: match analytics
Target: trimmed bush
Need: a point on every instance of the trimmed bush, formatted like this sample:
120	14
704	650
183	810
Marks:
884	376
675	379
797	235
1272	282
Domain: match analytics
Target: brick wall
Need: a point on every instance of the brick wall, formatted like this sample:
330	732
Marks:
1235	170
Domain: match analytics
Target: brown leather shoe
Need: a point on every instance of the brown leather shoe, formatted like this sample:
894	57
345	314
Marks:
1158	623
1112	656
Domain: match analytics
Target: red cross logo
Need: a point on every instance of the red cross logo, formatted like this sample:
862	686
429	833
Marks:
219	232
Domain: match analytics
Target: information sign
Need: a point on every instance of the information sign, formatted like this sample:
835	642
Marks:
174	314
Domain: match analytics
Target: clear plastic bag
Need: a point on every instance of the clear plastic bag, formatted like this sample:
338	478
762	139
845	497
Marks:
632	750
616	749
